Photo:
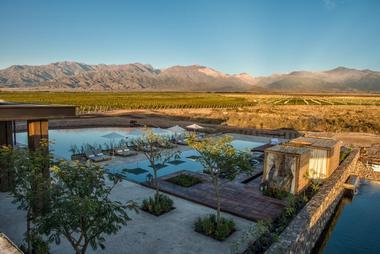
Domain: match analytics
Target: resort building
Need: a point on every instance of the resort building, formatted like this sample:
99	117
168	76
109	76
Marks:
36	117
324	158
286	168
292	165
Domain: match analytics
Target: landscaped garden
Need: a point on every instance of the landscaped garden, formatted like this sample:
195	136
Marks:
79	208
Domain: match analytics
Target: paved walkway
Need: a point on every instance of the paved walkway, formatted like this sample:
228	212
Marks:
243	200
171	233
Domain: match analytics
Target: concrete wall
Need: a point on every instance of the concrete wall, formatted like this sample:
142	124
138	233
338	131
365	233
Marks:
303	232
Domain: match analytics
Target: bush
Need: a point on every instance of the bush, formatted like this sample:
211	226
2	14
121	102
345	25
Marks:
294	204
275	193
185	180
39	246
157	205
209	227
344	153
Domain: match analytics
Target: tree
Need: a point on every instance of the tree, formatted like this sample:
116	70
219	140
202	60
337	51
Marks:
220	158
81	209
155	149
29	185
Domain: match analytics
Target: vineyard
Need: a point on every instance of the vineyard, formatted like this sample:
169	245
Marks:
313	100
103	102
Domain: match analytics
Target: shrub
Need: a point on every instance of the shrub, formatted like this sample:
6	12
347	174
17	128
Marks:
275	193
39	246
209	226
344	153
185	180
294	204
157	205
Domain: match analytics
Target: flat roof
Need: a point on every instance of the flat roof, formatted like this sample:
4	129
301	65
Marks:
289	149
10	111
314	142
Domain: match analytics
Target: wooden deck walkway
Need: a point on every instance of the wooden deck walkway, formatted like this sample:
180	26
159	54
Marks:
243	200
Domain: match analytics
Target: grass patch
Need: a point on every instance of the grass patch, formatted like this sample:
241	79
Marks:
275	193
159	166
135	171
209	227
185	180
157	205
176	162
344	152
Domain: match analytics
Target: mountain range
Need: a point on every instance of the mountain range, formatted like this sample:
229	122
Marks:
142	77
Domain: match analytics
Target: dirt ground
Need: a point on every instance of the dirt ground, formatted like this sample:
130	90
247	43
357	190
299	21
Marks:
204	117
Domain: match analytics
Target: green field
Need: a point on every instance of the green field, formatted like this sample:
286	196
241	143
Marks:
102	102
105	101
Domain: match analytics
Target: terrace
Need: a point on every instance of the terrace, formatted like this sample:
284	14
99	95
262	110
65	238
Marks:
237	198
241	199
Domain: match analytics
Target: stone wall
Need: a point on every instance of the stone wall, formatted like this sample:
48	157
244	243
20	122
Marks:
366	172
303	232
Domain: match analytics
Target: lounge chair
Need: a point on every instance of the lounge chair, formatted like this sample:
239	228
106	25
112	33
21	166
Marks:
97	156
103	157
124	152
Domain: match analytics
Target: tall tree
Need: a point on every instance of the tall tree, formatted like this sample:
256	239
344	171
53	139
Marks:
220	158
81	209
29	184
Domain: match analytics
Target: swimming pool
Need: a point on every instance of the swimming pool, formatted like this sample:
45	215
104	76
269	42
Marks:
355	228
65	138
138	171
134	171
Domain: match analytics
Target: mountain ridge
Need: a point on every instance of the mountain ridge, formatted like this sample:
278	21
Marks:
70	75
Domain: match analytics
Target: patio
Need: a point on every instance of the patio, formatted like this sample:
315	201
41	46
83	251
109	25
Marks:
170	233
243	200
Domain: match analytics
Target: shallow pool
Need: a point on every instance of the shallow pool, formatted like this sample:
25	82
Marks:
138	171
356	225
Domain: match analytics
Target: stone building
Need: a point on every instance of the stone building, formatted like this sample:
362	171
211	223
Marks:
292	165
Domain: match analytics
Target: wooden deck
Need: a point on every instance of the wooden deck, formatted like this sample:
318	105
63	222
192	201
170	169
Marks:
243	200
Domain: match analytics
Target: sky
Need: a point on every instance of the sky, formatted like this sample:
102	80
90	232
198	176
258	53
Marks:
259	37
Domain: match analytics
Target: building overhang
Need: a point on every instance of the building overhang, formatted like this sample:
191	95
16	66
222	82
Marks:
18	111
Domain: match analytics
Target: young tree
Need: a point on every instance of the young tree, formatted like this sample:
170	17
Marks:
220	158
81	209
154	148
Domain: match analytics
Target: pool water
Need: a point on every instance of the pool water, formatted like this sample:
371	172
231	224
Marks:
63	139
356	226
143	167
135	171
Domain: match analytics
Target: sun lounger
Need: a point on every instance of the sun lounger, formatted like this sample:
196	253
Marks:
124	152
97	156
102	156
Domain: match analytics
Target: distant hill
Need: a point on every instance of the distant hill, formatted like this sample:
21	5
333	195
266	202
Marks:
141	77
130	77
340	79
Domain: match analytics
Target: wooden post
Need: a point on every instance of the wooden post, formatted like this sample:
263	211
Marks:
6	133
37	130
6	139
